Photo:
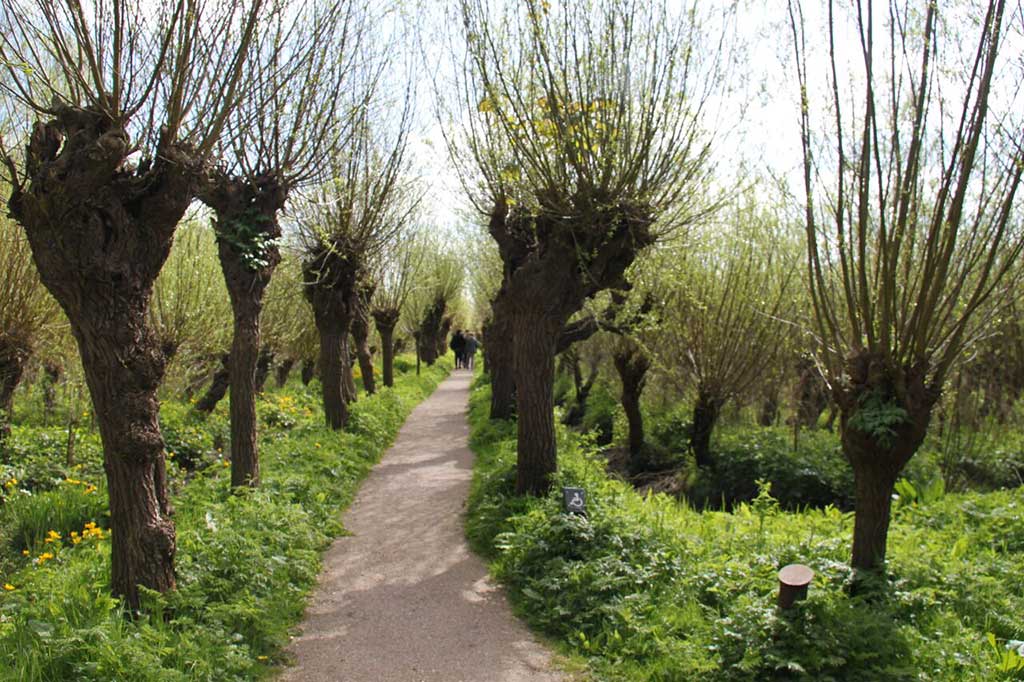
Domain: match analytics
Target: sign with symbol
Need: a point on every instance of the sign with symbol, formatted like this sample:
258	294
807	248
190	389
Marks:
575	500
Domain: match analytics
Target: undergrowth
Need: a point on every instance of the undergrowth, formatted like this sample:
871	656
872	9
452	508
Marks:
648	588
246	560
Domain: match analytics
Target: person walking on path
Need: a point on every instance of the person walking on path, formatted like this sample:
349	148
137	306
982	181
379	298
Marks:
401	597
458	346
469	350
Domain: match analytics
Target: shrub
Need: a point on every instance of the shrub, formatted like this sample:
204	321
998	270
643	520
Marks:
648	588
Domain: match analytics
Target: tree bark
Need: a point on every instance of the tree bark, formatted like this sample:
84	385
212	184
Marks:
499	358
705	416
386	320
632	365
284	370
878	457
330	275
348	381
308	371
264	361
247	236
430	341
333	352
245	468
100	230
534	356
361	336
218	386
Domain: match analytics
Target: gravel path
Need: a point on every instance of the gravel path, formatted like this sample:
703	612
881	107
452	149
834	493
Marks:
403	599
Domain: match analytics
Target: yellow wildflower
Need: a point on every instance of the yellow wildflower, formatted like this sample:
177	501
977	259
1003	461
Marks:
90	525
52	536
43	558
9	587
90	489
24	552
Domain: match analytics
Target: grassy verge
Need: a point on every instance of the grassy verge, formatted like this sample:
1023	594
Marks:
646	588
245	563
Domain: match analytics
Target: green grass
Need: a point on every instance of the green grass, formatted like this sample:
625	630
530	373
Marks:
647	588
246	561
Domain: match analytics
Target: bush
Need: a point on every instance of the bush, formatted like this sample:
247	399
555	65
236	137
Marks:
647	588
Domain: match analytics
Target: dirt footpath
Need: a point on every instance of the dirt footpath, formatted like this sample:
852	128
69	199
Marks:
403	599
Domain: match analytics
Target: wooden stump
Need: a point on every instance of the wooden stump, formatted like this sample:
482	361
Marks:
793	582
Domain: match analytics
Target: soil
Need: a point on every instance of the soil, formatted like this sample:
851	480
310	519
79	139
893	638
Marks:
402	598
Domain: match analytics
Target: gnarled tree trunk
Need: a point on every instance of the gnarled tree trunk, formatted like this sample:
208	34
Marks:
534	357
499	359
884	416
430	331
308	371
247	234
386	320
264	362
100	231
218	386
284	370
705	415
333	352
330	276
361	336
632	364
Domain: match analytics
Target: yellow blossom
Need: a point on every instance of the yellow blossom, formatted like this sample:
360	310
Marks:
52	536
24	552
43	558
9	587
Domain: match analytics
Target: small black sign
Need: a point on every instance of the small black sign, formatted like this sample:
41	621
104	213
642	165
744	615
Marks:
575	500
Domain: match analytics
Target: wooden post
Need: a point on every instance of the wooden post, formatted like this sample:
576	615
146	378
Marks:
793	582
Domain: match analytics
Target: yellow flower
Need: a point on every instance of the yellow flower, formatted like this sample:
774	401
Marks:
52	536
90	525
9	587
227	463
43	558
24	552
261	658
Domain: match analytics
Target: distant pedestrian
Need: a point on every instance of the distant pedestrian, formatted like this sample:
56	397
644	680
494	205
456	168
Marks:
458	346
471	344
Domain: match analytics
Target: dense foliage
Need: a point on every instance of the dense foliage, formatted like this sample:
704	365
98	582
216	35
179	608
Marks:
246	558
646	587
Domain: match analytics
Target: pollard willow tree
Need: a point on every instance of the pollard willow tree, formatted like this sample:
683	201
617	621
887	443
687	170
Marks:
398	273
582	126
912	218
344	226
129	100
280	138
725	305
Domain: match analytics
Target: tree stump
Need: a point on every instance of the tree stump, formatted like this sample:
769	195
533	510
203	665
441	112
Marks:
793	582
